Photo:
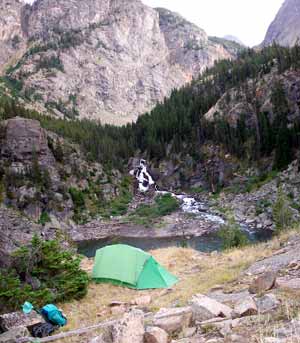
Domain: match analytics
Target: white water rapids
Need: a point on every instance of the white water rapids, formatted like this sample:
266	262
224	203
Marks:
199	209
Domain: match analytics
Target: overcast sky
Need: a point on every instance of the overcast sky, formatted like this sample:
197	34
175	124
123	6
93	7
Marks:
247	20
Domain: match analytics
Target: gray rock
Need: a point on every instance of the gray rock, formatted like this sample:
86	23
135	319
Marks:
130	328
263	283
205	308
155	335
10	321
173	320
246	307
14	334
289	283
267	303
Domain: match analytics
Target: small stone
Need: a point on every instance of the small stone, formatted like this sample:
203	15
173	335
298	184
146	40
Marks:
188	332
118	310
263	283
142	301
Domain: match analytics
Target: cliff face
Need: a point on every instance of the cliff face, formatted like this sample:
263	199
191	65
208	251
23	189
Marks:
285	29
106	59
11	33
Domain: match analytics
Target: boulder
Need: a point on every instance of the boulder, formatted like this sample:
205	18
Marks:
205	308
267	303
244	308
289	284
263	283
12	320
155	335
130	328
173	320
14	334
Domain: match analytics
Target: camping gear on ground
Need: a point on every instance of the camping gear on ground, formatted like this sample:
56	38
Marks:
50	312
131	267
43	330
53	315
27	307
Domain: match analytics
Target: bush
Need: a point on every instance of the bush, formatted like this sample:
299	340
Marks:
148	214
44	218
282	213
77	197
232	236
56	272
166	204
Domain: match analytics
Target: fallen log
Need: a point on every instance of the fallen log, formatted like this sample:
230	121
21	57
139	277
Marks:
68	333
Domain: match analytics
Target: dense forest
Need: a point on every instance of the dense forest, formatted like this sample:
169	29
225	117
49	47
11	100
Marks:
179	119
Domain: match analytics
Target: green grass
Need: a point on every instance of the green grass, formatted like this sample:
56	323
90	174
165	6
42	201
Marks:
149	214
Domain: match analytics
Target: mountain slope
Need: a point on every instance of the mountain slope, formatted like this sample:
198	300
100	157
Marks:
106	59
285	29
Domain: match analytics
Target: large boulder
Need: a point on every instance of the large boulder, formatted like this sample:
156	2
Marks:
173	320
267	303
155	335
130	328
10	321
245	307
14	334
205	308
263	283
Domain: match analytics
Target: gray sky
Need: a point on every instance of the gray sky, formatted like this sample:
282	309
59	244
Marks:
247	20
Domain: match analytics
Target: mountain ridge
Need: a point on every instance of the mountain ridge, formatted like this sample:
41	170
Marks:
126	58
285	28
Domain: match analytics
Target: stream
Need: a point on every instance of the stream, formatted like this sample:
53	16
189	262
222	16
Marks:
206	243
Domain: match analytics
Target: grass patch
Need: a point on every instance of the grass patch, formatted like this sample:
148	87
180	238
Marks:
148	214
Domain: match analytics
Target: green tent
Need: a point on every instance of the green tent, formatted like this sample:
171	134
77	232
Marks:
128	266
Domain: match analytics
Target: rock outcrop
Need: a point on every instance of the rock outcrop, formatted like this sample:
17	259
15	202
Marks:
127	56
285	29
41	173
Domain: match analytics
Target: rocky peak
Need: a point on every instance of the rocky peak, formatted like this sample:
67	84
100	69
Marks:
127	57
285	29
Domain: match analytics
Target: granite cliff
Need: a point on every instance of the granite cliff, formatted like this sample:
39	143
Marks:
107	60
285	29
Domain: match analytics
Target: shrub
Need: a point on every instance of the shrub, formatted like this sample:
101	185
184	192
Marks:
57	272
166	204
77	197
232	236
282	213
44	218
147	214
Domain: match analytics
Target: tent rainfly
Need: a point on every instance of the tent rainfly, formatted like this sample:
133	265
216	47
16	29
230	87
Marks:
131	267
